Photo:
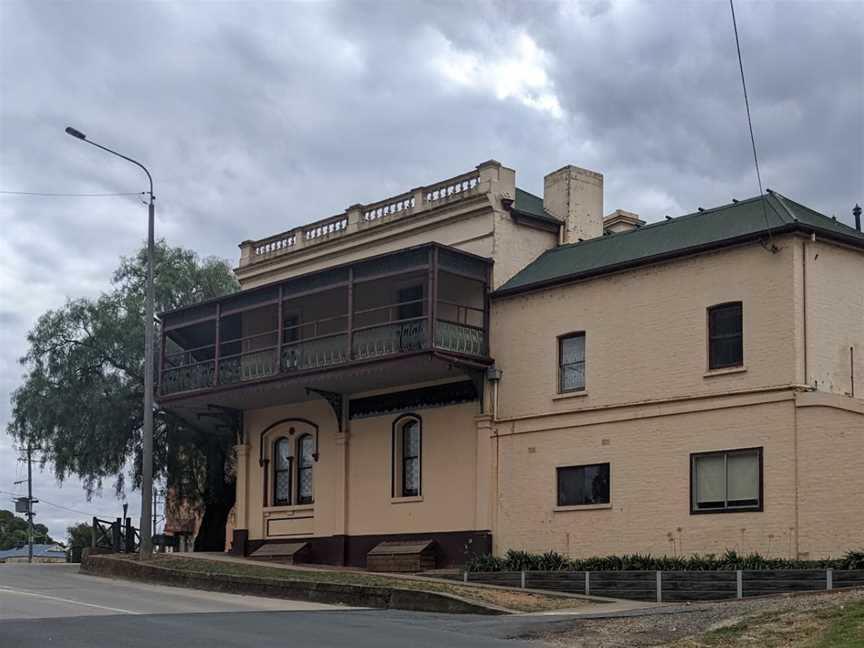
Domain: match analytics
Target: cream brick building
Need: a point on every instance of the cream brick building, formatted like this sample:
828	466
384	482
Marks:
488	369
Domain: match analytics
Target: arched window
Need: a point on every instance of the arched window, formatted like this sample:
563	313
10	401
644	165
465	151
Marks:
305	450
406	455
283	460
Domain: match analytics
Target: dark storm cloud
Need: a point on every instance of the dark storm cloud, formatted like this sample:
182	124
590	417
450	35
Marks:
256	117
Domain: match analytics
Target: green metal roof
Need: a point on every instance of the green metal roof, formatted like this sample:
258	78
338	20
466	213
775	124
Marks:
710	228
531	205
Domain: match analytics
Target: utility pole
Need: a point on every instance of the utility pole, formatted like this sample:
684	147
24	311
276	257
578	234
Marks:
29	501
29	505
155	507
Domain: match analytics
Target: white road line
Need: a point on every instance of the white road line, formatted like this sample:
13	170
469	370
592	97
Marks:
63	600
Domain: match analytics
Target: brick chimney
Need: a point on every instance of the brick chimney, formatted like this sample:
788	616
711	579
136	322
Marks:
575	196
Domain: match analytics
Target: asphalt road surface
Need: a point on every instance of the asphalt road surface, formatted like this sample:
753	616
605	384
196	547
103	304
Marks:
54	605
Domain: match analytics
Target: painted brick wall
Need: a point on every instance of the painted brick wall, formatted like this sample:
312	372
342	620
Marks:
831	482
646	331
650	485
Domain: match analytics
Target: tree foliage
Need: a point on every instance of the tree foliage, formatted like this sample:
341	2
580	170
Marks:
81	403
80	535
13	532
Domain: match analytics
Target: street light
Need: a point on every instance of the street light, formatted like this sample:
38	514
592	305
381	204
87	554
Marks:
147	461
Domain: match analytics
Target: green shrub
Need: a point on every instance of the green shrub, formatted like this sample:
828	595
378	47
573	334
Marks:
553	561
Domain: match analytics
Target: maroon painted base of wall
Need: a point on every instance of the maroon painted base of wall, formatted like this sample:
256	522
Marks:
452	546
239	542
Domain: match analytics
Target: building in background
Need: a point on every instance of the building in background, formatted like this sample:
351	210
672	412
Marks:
469	364
42	553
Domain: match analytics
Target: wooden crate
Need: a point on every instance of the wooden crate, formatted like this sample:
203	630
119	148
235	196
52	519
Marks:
287	553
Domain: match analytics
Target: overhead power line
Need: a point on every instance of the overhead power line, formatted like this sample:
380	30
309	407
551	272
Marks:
750	124
70	195
59	506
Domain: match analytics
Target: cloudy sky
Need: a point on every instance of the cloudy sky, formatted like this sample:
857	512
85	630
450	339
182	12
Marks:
258	116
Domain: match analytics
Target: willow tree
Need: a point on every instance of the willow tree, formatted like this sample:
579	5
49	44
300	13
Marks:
81	403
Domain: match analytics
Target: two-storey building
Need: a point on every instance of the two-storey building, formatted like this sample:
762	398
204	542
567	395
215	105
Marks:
473	365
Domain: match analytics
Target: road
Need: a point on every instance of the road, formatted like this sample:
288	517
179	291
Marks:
54	605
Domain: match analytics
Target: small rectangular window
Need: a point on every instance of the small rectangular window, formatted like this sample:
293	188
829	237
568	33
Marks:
583	485
728	480
571	362
725	336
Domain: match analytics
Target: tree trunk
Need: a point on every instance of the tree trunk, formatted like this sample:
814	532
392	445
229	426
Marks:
218	499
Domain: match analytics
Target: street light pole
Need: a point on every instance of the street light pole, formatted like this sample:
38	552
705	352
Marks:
149	369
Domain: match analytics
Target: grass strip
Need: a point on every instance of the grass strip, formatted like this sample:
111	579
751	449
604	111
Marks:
510	599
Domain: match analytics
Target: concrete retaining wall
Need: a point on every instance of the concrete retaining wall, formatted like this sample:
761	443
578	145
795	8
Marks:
317	592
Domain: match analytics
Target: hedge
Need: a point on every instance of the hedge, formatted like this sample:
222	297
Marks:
731	560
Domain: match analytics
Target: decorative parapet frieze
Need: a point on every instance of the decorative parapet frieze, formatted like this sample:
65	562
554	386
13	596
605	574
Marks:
483	179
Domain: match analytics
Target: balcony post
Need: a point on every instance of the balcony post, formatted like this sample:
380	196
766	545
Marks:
218	344
433	295
350	313
161	357
280	326
487	309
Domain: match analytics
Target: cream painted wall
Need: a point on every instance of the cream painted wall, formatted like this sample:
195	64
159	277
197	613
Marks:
448	468
831	482
325	510
650	485
516	246
447	500
646	332
835	316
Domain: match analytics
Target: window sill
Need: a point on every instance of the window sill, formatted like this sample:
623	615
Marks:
296	508
753	509
724	372
582	507
573	394
406	500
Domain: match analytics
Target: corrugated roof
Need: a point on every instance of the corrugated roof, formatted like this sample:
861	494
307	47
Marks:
39	551
706	229
530	205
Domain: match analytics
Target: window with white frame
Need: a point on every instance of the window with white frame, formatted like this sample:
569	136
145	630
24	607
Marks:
726	481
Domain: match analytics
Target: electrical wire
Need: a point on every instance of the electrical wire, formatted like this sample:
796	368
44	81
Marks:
43	501
750	125
70	195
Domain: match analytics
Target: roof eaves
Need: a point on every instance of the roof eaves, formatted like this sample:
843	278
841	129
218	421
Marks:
549	223
787	227
632	263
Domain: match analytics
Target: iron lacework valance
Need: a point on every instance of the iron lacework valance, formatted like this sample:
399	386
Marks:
411	399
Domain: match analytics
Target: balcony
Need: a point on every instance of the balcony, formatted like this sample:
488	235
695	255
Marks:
332	329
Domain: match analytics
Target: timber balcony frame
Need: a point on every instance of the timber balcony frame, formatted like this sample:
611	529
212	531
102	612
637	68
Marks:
429	298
